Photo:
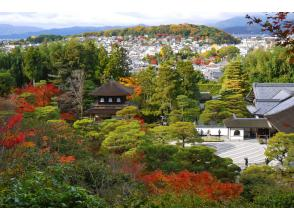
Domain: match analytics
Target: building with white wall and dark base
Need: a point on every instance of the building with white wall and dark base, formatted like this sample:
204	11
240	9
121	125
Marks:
241	128
272	109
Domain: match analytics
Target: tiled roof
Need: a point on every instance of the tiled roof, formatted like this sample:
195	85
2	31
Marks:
269	90
282	106
283	120
247	123
112	88
283	94
272	97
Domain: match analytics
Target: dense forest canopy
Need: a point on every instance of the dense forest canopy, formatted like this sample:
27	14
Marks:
44	38
199	32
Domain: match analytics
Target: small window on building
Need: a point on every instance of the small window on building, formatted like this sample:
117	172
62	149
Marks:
118	99
101	99
109	99
236	133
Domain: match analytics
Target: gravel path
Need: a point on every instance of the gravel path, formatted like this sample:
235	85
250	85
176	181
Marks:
238	150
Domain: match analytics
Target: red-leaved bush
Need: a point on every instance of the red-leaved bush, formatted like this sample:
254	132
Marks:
42	96
9	134
67	159
202	184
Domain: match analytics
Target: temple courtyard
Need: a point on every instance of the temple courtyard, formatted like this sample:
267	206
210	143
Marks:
238	150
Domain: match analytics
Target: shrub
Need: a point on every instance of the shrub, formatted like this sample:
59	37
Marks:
40	189
128	112
213	88
202	184
46	113
195	159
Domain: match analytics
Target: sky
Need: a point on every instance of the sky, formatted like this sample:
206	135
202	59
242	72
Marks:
65	13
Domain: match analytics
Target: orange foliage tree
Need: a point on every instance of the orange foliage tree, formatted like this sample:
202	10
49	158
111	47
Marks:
202	184
131	82
41	97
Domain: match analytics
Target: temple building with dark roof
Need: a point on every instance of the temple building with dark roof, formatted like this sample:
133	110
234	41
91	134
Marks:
109	98
275	102
273	109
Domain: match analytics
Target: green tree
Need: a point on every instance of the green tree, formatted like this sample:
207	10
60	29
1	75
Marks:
279	147
194	159
47	113
256	179
161	134
33	64
46	65
188	78
165	53
146	80
266	186
185	53
109	125
118	64
16	66
39	189
102	62
184	132
272	65
186	110
233	81
128	112
215	111
6	83
87	127
229	52
166	87
234	89
90	58
124	137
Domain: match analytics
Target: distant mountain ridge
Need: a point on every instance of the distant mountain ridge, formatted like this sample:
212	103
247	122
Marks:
239	24
7	29
56	31
213	35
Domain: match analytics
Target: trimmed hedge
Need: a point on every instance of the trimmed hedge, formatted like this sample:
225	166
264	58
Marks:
213	88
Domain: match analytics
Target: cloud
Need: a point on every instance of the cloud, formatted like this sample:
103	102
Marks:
101	18
63	13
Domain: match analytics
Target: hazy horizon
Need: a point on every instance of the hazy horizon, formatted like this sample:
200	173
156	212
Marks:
62	20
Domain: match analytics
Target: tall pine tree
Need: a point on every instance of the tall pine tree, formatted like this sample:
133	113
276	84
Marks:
234	89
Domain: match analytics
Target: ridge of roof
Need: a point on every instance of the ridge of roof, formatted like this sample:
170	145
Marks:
112	88
273	84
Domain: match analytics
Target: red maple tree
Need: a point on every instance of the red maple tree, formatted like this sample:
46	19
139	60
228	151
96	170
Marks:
42	97
202	184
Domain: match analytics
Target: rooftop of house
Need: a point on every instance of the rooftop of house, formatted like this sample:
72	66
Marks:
247	123
112	88
271	98
270	90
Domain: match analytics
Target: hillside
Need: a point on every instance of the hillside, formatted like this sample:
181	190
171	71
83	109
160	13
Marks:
239	25
54	31
6	29
200	32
